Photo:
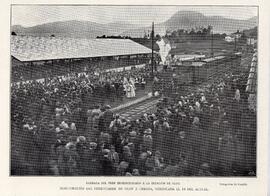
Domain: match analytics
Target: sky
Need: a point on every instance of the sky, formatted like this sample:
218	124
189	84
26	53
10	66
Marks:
27	15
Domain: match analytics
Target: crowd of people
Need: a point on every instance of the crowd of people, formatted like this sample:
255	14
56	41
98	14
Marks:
57	131
26	71
89	89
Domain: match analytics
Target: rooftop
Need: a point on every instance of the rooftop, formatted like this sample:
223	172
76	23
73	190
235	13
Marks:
29	48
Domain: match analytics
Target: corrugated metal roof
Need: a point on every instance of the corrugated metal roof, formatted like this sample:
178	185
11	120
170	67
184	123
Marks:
29	48
186	57
252	77
197	64
213	58
252	70
253	64
254	59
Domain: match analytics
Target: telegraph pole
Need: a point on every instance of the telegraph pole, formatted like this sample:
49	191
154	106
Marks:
235	42
212	42
152	57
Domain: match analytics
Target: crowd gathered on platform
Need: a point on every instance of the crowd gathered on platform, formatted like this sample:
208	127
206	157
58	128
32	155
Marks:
57	130
84	88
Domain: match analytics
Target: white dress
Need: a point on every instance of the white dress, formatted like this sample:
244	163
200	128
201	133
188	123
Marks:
128	90
133	93
133	88
125	84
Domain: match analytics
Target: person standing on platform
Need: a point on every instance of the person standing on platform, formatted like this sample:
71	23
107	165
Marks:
128	90
121	91
133	88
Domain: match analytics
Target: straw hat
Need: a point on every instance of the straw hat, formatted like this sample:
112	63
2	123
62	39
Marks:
148	131
133	134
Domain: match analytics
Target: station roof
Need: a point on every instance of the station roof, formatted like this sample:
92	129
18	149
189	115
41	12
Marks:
30	48
252	77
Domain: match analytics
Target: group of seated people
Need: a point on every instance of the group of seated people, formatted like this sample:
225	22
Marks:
56	131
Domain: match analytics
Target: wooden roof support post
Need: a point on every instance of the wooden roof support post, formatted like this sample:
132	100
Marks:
52	65
31	70
128	60
69	64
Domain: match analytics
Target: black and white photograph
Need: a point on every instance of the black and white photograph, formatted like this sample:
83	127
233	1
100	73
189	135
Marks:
133	90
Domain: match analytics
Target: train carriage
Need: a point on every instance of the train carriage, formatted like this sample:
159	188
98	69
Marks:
192	72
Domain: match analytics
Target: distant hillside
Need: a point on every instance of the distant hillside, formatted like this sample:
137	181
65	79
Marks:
191	19
74	28
251	32
179	20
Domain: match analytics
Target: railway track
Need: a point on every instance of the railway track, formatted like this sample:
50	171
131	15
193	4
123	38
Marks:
135	111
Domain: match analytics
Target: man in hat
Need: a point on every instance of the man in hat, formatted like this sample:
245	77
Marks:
147	144
128	157
226	154
181	146
106	163
107	117
92	131
121	91
68	161
46	139
161	126
141	163
28	150
123	167
92	158
154	164
114	158
135	139
195	143
135	172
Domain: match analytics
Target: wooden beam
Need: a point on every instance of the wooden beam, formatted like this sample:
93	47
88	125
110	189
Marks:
31	68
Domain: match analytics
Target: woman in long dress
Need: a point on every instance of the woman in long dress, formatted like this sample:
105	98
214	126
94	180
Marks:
125	85
128	88
133	88
125	81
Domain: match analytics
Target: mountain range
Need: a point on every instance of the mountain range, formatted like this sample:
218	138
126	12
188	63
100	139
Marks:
74	28
179	20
